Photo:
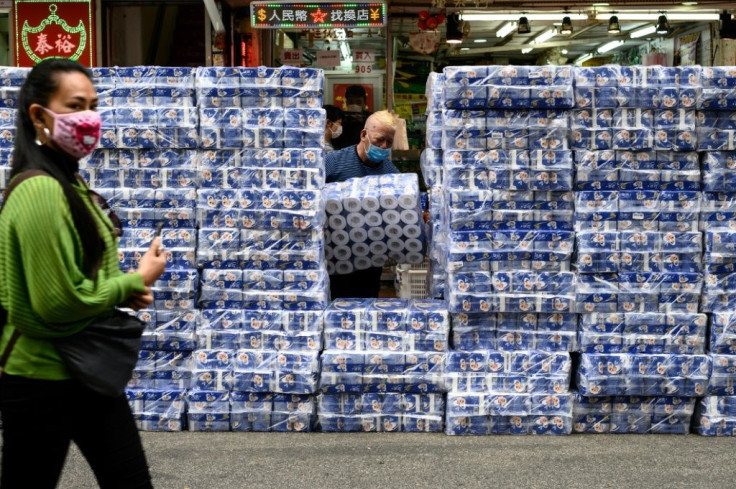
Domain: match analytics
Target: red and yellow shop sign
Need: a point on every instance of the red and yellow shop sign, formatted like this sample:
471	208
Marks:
272	15
58	29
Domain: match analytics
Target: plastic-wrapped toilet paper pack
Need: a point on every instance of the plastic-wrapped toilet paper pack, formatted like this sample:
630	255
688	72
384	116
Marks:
515	331
642	333
644	251
478	291
384	346
633	415
381	412
643	374
536	169
719	171
279	330
543	250
514	87
256	411
663	292
225	370
508	414
718	211
373	219
344	371
722	375
722	333
157	410
715	416
719	88
162	370
431	166
521	371
637	210
485	211
719	258
391	325
170	328
499	392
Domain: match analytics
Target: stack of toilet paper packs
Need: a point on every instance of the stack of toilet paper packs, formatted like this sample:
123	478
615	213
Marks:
371	220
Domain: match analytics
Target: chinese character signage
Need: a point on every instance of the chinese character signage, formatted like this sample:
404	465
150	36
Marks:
291	57
271	15
327	58
57	29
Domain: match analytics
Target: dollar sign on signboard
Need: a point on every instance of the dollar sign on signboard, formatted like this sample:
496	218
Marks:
261	15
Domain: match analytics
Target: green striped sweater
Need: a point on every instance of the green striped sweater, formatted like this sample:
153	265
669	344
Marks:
42	286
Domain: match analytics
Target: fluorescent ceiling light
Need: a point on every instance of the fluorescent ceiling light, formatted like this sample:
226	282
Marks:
544	36
345	51
480	40
610	46
515	17
644	31
689	4
526	50
564	51
655	16
464	49
506	29
582	59
600	5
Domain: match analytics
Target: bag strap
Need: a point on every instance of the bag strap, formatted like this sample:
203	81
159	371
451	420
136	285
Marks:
21	177
9	349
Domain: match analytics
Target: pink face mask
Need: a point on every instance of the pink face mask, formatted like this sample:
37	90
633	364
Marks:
76	133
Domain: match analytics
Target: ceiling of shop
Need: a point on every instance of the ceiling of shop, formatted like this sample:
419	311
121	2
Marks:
587	36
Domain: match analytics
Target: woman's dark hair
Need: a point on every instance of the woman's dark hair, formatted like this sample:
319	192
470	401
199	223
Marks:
42	83
334	114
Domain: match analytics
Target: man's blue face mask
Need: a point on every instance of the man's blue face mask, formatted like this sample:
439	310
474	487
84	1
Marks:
376	154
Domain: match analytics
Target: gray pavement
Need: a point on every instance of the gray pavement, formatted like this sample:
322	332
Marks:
398	461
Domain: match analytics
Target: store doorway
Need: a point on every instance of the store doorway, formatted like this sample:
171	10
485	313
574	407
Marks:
4	37
163	34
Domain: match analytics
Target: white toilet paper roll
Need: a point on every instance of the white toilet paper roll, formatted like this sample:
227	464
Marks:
333	206
351	203
337	222
329	253
392	231
355	220
342	253
408	201
391	217
413	245
378	248
358	235
328	236
409	217
389	201
360	249
330	268
394	244
370	204
343	267
379	260
397	256
412	231
373	219
362	263
376	234
340	238
414	258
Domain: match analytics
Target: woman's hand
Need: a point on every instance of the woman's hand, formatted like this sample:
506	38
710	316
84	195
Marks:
138	301
153	262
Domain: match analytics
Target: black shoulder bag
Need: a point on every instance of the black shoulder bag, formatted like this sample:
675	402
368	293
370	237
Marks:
101	356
